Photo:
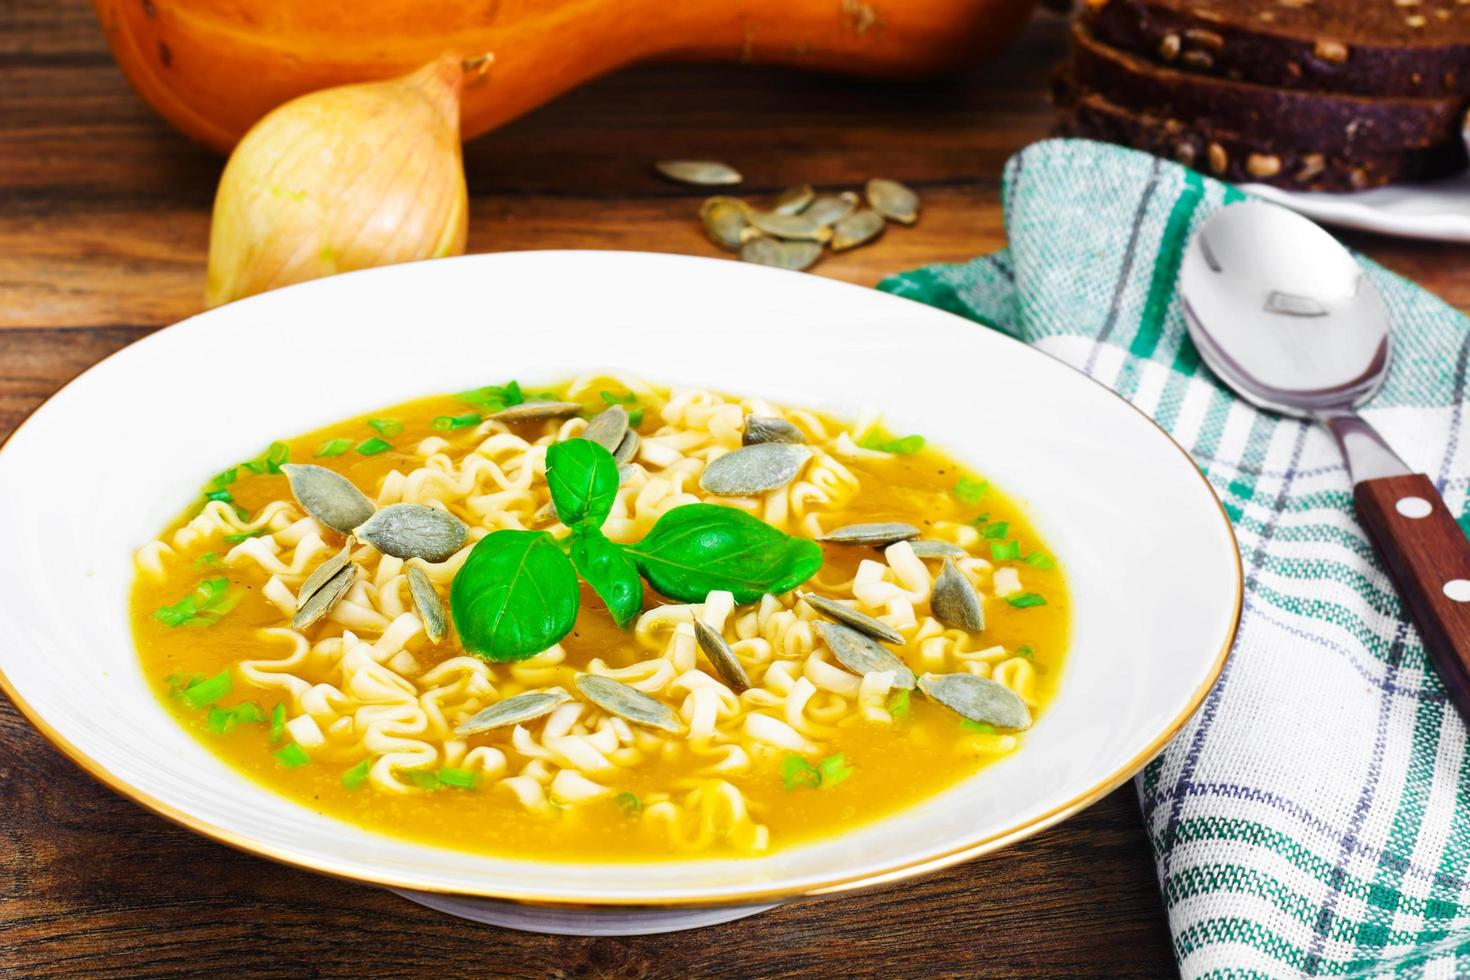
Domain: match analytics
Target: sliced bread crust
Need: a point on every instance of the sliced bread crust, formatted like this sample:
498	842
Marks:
1317	121
1362	47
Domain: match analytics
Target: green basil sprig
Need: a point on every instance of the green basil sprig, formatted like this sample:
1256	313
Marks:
517	592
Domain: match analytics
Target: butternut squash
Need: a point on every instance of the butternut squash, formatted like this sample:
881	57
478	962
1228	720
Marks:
214	67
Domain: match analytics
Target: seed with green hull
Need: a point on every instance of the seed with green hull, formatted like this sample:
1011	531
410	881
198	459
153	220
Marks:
848	616
781	255
414	531
954	602
862	655
427	604
727	665
328	497
619	699
702	173
514	711
893	200
754	469
794	200
791	226
856	229
978	699
726	222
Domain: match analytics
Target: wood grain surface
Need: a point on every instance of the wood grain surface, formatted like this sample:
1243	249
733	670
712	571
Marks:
103	227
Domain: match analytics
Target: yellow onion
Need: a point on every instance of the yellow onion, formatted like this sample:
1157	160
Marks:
345	178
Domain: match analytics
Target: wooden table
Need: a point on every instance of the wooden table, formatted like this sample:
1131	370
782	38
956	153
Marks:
103	227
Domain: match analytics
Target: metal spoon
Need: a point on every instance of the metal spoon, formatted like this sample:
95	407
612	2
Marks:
1284	315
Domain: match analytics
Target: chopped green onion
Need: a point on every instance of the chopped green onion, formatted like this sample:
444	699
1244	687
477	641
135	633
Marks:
494	397
796	771
628	803
333	447
613	398
203	607
906	445
1025	652
208	558
373	445
997	530
898	704
278	722
292	756
977	726
1025	600
459	778
981	520
243	535
219	720
1040	559
355	777
249	713
386	427
834	769
224	479
969	491
178	682
221	495
1005	550
424	779
203	693
635	418
269	461
445	423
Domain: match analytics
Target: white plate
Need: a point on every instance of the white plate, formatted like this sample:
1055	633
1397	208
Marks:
1154	572
1437	210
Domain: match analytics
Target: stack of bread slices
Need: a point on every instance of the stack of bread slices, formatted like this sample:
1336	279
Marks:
1328	95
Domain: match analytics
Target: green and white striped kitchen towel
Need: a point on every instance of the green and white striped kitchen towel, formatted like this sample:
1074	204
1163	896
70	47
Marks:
1314	816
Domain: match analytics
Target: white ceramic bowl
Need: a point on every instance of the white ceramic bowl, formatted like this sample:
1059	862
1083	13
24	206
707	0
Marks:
1152	563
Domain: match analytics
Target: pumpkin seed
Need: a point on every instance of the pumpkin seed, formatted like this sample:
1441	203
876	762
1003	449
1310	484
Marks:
794	200
760	428
878	535
893	200
328	497
862	654
513	711
781	255
322	574
937	549
953	600
321	601
848	616
979	699
608	428
414	531
856	229
719	653
537	411
754	469
427	603
704	173
726	221
791	226
830	209
619	699
628	448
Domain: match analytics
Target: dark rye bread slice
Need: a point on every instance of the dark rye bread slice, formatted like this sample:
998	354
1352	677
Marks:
1233	157
1363	47
1318	121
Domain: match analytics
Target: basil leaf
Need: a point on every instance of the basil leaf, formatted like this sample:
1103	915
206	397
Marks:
515	595
611	573
584	480
697	549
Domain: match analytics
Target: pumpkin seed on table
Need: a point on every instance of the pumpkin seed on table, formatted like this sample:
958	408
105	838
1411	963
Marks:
414	531
791	226
760	428
608	428
978	699
727	665
861	654
830	209
537	411
893	200
856	229
328	497
320	601
781	255
754	469
513	711
879	535
702	173
848	616
619	699
937	549
726	222
427	604
794	200
953	600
